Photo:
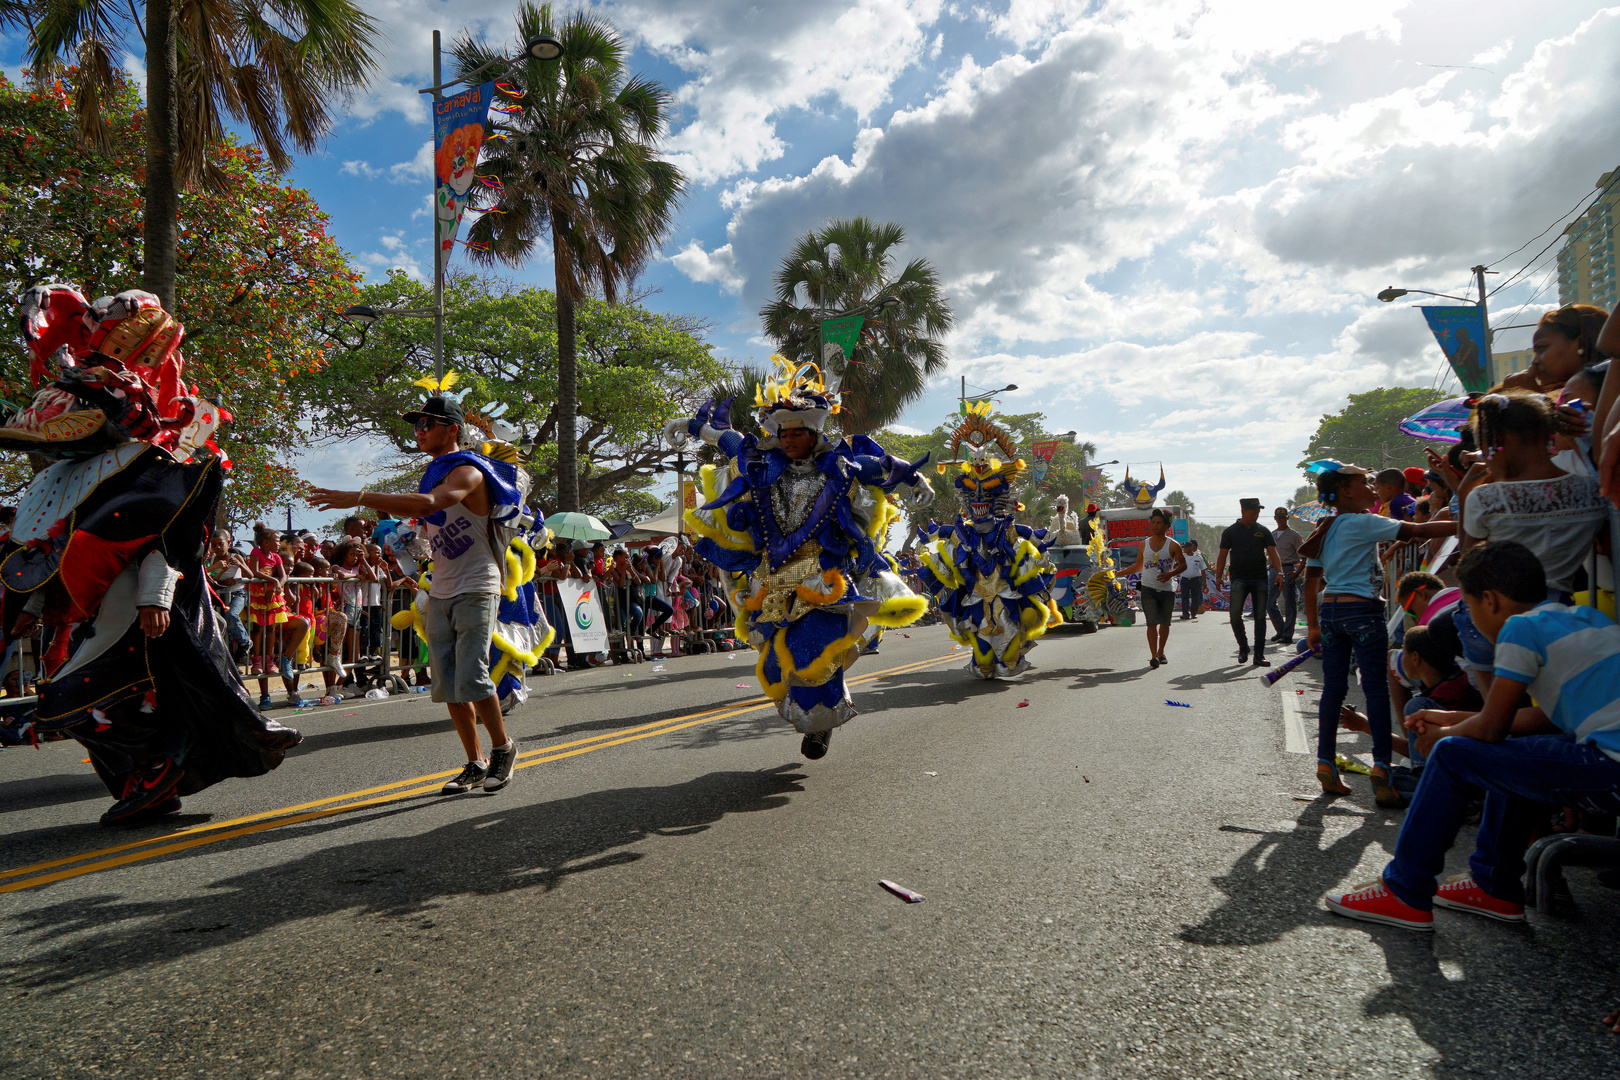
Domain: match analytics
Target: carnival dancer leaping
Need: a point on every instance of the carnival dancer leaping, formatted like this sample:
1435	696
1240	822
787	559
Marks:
107	550
989	574
794	520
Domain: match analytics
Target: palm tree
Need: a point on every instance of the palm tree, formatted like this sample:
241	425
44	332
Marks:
579	168
848	266
281	67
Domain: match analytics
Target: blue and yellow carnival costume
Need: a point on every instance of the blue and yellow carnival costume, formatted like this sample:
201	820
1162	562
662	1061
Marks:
796	537
989	574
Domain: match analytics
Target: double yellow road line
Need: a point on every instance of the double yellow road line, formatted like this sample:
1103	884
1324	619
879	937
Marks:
108	858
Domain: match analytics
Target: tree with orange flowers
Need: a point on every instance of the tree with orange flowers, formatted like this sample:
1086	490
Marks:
256	269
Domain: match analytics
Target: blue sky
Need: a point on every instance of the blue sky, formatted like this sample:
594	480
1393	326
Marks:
1165	220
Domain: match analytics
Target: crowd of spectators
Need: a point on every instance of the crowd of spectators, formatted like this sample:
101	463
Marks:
659	603
1506	660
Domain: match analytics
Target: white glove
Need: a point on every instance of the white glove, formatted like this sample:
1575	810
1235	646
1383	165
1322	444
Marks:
922	494
675	433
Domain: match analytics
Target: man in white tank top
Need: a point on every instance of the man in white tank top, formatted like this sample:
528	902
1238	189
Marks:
459	615
1160	562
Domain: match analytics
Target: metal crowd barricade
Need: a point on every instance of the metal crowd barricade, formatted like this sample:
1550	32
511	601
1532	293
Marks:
624	646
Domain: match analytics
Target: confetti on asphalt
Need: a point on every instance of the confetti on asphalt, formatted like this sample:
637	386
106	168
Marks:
626	675
1022	704
744	686
925	771
84	761
905	635
659	667
351	714
902	892
1087	779
1177	704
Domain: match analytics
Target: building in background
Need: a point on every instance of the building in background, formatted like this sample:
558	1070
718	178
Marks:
1504	364
1586	261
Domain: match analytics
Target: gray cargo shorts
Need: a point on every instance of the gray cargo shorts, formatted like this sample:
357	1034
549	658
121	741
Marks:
459	630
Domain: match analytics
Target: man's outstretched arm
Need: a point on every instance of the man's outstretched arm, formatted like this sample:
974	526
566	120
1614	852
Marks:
456	486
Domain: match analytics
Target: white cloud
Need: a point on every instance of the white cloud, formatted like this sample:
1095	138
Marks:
718	266
417	169
395	255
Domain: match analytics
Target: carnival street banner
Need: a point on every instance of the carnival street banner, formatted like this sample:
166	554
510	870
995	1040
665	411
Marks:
842	334
1461	333
1042	453
458	135
586	625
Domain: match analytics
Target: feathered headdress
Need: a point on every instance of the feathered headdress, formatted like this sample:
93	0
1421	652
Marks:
982	438
437	384
796	395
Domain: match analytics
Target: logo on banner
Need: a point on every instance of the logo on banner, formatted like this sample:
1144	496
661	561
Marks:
582	611
1461	333
458	135
842	335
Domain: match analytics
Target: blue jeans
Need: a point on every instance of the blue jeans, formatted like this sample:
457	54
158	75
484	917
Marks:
1353	630
1284	606
1414	755
1192	594
233	617
1519	778
1243	589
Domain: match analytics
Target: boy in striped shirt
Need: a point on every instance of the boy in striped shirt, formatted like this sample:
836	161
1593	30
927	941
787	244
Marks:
1567	659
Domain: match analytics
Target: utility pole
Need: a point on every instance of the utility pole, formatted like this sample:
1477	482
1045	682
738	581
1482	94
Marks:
1485	317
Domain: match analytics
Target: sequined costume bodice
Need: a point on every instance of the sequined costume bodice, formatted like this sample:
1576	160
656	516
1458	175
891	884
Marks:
794	493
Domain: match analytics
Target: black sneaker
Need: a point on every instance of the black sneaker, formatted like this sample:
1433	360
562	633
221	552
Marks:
1153	662
501	760
143	790
1260	661
1243	654
814	745
469	778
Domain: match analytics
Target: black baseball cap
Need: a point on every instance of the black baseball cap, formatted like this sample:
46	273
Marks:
446	410
1247	504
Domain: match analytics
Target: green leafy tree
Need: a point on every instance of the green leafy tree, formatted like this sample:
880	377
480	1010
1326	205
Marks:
1179	498
281	68
579	169
1365	431
635	368
849	265
255	260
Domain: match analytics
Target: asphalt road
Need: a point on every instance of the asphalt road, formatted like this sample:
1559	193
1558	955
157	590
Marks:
1115	887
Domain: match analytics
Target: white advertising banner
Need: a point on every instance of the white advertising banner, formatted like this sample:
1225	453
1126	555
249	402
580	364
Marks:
586	624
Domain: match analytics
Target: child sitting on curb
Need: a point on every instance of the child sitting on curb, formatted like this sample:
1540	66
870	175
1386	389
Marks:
1430	661
1566	658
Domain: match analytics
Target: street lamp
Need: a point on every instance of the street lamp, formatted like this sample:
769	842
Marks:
365	317
987	394
539	47
1390	294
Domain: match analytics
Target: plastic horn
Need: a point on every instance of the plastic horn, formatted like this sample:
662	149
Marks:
1269	678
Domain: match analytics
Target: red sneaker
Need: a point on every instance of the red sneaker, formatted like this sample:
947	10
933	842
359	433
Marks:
1462	894
1373	902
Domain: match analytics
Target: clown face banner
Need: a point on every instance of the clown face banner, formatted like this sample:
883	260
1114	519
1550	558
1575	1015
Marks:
458	133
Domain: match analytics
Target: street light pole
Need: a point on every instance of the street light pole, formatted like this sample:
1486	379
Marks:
1485	317
433	224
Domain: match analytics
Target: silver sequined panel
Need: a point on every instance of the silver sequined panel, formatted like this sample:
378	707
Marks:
794	493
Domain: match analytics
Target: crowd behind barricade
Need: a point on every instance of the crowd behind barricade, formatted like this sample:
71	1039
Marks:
1492	673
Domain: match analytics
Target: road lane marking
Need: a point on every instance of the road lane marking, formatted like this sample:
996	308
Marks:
1294	740
184	839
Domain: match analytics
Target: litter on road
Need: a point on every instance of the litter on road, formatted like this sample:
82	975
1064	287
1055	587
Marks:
1023	704
1177	704
901	891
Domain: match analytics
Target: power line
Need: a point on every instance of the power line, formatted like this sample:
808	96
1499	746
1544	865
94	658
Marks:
1588	200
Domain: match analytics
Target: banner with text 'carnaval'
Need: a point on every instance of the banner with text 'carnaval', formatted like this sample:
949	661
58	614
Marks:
458	134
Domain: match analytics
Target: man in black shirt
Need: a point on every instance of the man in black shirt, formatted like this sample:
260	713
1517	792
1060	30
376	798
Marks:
1252	547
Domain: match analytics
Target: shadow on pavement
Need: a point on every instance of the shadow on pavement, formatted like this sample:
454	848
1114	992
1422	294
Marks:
371	733
36	791
1490	999
1199	680
512	846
